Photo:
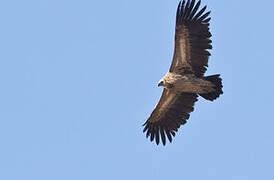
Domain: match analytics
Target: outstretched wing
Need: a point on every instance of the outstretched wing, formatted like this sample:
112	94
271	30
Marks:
170	113
192	39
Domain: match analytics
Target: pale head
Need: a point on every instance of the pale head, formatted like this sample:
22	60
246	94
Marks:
164	83
161	83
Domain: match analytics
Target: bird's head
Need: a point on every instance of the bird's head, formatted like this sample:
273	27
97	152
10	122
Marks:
165	84
161	83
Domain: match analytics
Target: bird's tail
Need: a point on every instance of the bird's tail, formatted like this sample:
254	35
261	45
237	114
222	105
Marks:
217	81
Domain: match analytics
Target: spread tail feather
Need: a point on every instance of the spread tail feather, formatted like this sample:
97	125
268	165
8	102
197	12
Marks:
217	81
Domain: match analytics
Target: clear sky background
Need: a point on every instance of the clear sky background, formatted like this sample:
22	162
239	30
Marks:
79	78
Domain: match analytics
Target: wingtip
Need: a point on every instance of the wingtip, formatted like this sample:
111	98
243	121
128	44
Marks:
144	123
180	2
163	137
157	137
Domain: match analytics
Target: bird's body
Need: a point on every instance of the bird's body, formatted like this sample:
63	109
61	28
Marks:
185	80
188	83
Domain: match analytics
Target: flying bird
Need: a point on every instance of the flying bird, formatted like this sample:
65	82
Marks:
185	80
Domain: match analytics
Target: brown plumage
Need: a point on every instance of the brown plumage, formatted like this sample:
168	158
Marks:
185	79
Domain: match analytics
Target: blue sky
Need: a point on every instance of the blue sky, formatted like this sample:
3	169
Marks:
79	78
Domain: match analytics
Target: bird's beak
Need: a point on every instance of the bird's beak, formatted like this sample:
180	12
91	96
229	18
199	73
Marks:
160	83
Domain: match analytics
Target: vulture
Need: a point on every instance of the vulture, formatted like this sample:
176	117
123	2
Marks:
185	80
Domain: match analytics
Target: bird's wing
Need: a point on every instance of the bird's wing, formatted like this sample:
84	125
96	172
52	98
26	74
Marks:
170	113
192	39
